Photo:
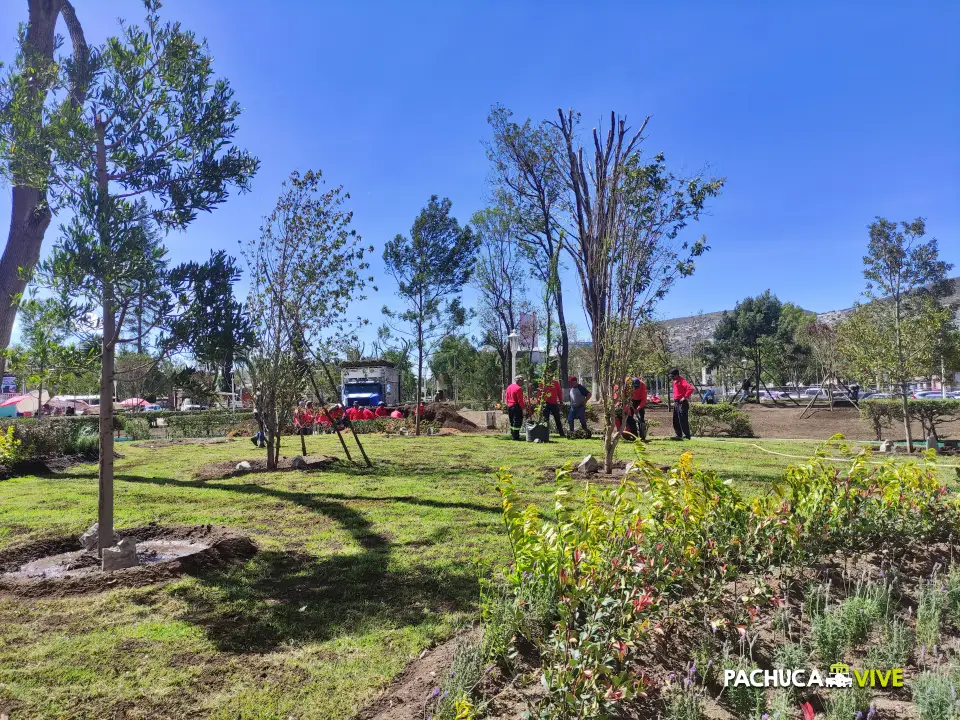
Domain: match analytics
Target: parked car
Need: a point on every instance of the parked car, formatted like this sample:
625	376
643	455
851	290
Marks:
191	407
152	408
876	396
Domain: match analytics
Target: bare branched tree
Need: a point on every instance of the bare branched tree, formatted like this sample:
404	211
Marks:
626	218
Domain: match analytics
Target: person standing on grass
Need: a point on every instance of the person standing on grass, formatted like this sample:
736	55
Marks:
515	406
682	391
552	394
639	399
578	405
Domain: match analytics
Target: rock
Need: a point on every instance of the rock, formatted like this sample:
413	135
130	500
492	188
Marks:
886	446
298	463
933	444
588	465
91	537
536	440
122	555
244	466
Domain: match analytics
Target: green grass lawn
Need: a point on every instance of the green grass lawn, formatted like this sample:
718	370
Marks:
359	570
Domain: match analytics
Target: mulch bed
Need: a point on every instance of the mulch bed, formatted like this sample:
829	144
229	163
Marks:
217	546
228	468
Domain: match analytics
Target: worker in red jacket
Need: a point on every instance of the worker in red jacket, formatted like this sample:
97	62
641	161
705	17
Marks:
639	399
551	394
515	406
682	391
381	410
354	413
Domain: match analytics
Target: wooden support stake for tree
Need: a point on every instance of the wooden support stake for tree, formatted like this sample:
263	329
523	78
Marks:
355	436
810	404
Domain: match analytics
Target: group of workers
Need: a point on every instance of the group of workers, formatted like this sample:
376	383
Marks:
307	420
631	406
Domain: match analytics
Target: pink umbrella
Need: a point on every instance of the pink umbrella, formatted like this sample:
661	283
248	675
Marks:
134	402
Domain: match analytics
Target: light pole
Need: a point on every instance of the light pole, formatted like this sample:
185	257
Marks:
514	341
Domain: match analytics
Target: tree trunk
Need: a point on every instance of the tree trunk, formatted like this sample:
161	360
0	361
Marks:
416	403
29	212
564	354
105	496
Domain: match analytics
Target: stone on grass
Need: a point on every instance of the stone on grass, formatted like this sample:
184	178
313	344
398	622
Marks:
91	537
298	463
122	555
588	465
244	466
886	446
933	443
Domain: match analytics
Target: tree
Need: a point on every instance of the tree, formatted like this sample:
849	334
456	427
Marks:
149	147
900	270
43	355
528	162
754	322
627	215
305	269
869	341
499	277
430	267
25	126
215	327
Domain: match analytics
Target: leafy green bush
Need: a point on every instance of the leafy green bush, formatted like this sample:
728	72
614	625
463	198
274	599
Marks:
720	419
615	559
884	414
10	448
136	428
205	423
49	436
933	694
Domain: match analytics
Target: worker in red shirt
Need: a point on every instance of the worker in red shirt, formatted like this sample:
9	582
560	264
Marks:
307	418
367	414
354	413
551	395
381	410
682	391
515	406
639	399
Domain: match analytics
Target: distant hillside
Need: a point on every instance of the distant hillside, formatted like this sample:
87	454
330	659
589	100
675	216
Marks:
685	332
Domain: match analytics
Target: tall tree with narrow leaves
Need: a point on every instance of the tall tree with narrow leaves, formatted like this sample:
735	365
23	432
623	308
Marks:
430	268
215	327
24	124
148	148
900	269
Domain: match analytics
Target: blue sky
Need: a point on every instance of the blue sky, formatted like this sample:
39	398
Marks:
821	115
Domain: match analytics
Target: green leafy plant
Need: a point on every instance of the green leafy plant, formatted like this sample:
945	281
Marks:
10	448
720	419
136	428
893	649
846	703
931	603
934	694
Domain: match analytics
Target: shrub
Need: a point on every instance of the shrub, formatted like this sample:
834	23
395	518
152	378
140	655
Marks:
721	419
205	423
933	694
931	603
10	448
454	692
136	428
883	414
894	648
49	436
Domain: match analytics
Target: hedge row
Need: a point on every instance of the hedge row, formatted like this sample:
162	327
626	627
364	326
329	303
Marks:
883	414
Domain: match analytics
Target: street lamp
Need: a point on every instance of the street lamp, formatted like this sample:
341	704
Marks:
514	341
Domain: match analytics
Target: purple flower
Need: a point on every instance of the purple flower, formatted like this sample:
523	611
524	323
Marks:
436	691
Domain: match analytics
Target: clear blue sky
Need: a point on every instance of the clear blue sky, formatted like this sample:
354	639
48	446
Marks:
820	114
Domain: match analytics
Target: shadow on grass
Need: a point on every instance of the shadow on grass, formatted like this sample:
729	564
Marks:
321	502
282	596
288	597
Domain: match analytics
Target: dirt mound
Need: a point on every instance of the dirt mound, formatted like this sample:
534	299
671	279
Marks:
228	468
59	566
404	698
444	415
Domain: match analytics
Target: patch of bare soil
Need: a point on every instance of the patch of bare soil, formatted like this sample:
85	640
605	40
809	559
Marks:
156	444
616	474
228	468
59	566
406	697
445	415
